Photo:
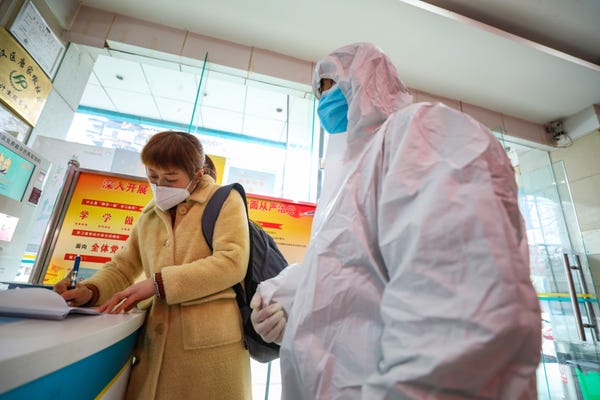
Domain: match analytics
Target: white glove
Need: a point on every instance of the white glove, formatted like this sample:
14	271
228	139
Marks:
268	321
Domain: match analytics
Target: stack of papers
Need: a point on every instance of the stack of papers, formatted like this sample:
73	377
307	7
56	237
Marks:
38	303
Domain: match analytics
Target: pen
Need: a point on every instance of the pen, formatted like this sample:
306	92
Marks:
74	272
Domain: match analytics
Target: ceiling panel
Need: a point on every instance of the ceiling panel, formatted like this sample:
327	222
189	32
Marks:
175	110
265	128
224	95
171	84
134	103
92	80
121	74
222	120
299	107
266	104
94	96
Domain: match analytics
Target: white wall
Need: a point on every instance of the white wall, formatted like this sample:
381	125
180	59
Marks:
68	86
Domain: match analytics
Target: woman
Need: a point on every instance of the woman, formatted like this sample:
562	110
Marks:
191	344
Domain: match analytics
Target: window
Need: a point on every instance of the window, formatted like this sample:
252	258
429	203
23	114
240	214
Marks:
267	131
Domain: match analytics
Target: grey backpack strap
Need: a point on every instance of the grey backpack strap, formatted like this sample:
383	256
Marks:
212	210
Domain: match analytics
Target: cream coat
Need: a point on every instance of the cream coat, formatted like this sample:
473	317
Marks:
191	345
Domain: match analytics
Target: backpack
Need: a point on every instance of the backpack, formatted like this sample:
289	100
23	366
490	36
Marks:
265	262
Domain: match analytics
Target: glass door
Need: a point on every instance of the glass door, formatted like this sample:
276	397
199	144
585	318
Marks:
570	364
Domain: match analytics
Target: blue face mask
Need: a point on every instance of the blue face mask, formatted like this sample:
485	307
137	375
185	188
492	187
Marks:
333	111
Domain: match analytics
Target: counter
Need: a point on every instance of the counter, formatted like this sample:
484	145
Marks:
80	357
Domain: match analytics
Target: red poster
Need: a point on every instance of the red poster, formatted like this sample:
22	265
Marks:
99	217
288	222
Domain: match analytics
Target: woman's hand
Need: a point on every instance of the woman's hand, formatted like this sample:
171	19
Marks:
126	299
74	297
269	322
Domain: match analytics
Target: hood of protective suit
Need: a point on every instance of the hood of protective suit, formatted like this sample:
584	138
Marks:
370	83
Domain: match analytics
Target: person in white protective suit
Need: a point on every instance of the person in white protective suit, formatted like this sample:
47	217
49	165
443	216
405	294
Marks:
415	283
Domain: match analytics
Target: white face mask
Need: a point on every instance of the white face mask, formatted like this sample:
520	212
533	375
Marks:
166	197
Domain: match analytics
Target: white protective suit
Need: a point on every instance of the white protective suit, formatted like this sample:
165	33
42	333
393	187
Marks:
415	284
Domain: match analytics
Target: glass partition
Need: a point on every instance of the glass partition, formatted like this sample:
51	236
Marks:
267	131
570	367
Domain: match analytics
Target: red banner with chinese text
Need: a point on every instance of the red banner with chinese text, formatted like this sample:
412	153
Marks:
100	214
288	222
103	209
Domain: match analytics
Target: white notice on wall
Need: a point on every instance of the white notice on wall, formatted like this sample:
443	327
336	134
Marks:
34	34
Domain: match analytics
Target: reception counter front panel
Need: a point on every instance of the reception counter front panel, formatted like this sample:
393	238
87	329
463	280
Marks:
81	357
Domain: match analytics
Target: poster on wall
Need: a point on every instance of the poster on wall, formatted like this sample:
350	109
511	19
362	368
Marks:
35	35
103	208
289	223
99	217
219	163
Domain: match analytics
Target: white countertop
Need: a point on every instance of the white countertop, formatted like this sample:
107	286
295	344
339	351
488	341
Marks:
32	348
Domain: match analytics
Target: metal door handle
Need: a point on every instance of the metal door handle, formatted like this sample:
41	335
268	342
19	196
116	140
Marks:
573	296
588	306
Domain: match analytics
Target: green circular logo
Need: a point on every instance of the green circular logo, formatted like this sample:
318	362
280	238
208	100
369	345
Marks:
18	81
